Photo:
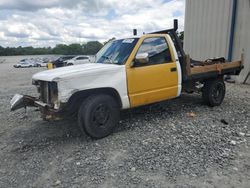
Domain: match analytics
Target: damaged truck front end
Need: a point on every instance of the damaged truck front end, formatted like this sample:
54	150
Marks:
47	101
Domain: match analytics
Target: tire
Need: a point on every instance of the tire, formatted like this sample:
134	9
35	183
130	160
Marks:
213	92
70	64
98	115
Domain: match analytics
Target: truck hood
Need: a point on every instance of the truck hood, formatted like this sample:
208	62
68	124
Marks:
74	71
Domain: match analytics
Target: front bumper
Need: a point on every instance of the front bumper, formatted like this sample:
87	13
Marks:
23	101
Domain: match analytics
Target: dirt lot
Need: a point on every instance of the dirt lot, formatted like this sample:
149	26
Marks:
155	146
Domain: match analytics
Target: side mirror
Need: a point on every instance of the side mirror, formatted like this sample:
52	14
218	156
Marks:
142	58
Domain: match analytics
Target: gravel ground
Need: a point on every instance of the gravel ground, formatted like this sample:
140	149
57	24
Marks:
178	143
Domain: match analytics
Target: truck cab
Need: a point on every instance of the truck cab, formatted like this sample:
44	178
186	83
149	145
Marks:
153	70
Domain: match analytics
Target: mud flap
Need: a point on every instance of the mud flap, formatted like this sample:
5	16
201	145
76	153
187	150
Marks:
21	101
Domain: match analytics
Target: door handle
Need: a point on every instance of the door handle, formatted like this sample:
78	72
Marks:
173	69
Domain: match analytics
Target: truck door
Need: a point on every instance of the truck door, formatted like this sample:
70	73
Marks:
156	79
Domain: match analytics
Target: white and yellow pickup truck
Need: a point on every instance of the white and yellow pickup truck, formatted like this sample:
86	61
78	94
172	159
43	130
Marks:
128	73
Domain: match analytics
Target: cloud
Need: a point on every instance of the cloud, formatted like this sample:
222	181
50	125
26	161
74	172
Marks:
49	22
26	5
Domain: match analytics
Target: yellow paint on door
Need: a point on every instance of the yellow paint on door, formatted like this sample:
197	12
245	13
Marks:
152	83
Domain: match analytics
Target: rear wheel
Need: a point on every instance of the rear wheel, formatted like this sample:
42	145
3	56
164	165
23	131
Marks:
69	64
214	92
98	115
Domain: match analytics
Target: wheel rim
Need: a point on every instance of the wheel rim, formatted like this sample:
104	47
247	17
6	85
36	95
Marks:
217	92
101	115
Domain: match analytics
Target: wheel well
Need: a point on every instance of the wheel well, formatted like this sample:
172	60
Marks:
78	97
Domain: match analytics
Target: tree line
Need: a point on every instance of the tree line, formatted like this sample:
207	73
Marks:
89	48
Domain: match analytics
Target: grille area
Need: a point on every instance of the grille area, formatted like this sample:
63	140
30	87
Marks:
48	92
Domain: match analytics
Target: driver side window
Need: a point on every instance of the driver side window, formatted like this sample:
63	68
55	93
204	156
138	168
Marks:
157	50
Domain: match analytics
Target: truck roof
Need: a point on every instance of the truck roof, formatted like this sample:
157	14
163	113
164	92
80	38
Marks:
139	36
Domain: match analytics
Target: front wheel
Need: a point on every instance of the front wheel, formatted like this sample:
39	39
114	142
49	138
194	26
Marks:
98	115
214	92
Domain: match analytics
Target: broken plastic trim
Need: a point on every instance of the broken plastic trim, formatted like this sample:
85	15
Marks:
21	101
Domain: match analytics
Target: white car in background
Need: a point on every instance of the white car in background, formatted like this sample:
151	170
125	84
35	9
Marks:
24	63
40	63
79	60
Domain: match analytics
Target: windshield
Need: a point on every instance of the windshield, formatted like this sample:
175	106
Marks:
116	52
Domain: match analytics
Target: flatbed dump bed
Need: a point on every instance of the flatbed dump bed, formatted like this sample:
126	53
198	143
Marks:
211	68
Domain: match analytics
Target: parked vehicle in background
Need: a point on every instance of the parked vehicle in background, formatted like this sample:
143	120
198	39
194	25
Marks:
62	61
50	59
39	62
24	63
79	60
35	62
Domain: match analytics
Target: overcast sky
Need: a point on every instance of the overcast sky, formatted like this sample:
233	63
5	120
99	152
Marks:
50	22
